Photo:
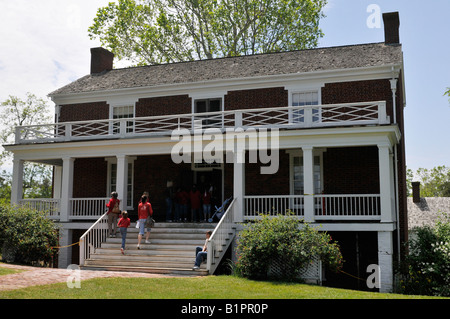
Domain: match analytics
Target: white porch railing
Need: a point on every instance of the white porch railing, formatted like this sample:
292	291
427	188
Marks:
87	208
93	238
338	207
341	207
51	206
364	113
273	205
220	239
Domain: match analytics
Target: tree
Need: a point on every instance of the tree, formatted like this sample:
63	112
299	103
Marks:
17	112
164	31
434	182
448	93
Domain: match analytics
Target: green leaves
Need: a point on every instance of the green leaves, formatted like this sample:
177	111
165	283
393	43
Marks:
286	241
159	31
29	233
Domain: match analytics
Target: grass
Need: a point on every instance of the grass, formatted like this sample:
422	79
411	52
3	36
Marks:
209	287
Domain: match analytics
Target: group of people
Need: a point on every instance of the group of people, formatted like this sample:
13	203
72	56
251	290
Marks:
195	201
145	213
117	218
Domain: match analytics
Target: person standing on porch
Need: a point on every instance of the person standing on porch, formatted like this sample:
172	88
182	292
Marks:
144	211
196	200
124	223
206	199
113	213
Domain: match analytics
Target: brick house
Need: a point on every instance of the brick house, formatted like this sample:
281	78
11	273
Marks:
334	116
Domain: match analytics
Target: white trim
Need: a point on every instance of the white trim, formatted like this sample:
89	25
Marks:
221	85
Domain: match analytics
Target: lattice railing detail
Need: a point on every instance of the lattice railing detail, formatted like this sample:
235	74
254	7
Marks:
363	113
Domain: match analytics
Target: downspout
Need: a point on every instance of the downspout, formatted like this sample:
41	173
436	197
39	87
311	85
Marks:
397	207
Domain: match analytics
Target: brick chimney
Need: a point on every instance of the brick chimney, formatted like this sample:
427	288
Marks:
101	60
416	192
391	28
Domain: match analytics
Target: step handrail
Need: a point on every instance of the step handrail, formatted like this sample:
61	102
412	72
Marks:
93	238
220	239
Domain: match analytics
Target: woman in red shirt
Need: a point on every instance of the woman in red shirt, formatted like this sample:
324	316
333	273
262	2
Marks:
113	214
144	211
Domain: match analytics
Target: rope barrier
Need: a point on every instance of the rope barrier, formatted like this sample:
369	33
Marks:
58	247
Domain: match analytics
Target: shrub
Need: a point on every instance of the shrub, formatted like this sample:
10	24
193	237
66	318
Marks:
26	236
427	270
287	241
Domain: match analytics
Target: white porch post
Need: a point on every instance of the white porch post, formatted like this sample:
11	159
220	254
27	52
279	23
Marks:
386	189
308	175
17	181
57	180
385	251
239	185
66	187
122	180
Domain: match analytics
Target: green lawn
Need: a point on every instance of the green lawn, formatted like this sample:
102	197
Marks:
210	287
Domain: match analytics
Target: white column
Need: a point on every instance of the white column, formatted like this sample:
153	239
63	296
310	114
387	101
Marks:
57	180
122	180
239	185
66	187
386	189
385	251
17	181
308	179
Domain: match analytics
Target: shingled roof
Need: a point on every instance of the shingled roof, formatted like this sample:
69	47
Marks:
293	62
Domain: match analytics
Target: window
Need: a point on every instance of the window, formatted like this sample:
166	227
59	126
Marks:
209	105
112	181
297	184
305	99
121	112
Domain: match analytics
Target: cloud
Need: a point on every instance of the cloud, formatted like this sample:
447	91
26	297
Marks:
44	44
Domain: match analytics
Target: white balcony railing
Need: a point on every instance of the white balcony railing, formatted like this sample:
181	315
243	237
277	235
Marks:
273	205
50	206
366	206
326	207
87	208
364	113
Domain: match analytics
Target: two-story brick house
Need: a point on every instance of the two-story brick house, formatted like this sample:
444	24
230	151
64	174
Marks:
335	115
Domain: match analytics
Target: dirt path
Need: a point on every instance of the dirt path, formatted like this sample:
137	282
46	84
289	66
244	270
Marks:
33	276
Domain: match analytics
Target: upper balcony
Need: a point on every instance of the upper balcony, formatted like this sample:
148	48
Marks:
291	117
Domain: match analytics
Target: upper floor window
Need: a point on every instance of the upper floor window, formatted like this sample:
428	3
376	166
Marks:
206	106
121	112
305	99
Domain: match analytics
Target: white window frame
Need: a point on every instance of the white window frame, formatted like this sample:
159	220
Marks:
111	161
297	90
318	152
130	123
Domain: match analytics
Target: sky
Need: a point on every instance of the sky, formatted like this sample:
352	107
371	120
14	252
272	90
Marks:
44	45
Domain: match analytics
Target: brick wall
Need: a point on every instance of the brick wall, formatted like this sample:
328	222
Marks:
256	98
351	170
84	111
90	177
358	91
179	104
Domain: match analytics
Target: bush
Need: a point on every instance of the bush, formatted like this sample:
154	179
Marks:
427	270
287	241
26	236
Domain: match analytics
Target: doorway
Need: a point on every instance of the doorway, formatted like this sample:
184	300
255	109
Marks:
204	179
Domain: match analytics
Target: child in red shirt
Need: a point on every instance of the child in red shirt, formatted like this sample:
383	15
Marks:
123	224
